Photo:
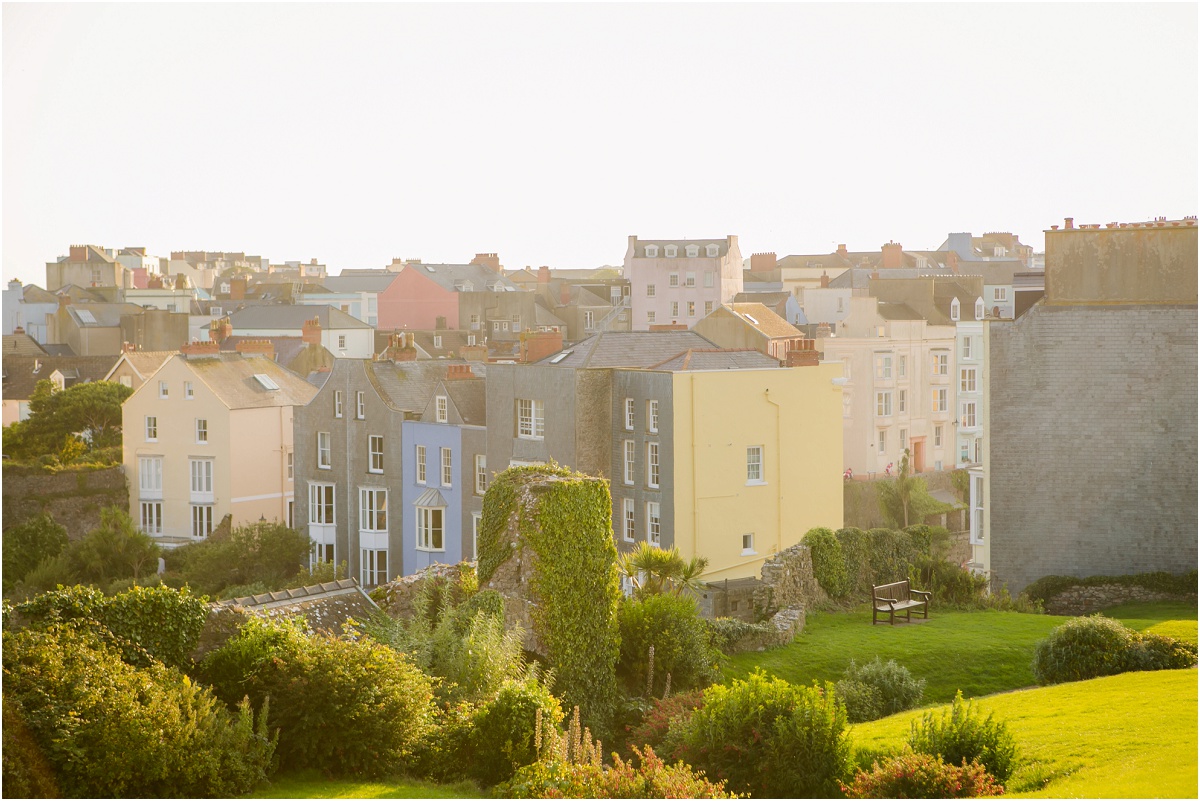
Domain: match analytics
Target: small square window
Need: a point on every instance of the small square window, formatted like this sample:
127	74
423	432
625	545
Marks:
163	391
748	545
649	290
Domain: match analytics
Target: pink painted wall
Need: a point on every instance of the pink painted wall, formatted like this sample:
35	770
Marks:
416	302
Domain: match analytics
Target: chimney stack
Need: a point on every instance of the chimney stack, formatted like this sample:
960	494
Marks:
543	275
126	347
196	349
237	288
474	353
762	262
823	330
312	331
249	347
824	279
803	353
537	345
458	372
893	256
489	260
564	293
841	251
1068	223
220	330
79	253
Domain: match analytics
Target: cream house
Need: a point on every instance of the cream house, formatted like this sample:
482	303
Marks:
210	434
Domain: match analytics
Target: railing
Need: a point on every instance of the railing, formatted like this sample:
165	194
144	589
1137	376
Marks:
607	320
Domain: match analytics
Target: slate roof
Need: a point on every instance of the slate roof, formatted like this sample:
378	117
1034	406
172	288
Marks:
79	294
469	397
722	247
718	359
20	379
542	316
101	315
430	497
22	345
897	311
59	350
629	349
765	321
145	362
447	275
407	386
860	277
231	378
286	348
325	606
35	294
376	282
287	317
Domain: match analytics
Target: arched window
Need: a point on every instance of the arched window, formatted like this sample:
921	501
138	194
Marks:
954	309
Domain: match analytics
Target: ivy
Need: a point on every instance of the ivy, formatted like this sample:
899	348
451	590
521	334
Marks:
1047	587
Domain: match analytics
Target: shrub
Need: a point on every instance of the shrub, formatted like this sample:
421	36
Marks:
503	737
267	554
725	632
951	584
342	707
829	569
650	777
673	626
1082	648
856	556
27	544
767	737
655	724
923	776
1156	652
891	553
115	550
112	730
961	734
27	772
1047	587
444	754
894	690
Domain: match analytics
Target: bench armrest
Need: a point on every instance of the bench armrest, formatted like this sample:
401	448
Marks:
927	595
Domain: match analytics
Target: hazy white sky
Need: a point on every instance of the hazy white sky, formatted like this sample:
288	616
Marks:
549	133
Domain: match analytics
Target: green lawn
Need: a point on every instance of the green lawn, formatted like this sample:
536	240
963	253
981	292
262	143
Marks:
1126	736
313	785
980	653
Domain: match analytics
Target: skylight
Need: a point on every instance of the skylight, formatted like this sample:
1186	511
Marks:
561	356
751	319
267	382
86	317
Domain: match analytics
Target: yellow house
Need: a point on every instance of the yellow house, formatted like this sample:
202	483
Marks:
210	434
758	462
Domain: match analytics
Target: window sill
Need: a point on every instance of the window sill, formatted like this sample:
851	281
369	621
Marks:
431	550
324	467
756	483
749	552
530	437
375	472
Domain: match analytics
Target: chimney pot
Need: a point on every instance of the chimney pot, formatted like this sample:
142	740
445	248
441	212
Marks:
1068	223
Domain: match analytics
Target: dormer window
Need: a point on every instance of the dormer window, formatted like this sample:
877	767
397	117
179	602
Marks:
979	308
651	251
693	251
954	310
710	251
671	251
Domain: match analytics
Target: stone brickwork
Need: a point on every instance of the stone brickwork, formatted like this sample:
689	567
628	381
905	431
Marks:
788	582
1092	442
72	498
1075	601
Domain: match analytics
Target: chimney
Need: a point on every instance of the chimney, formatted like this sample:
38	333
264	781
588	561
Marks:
543	275
79	253
823	330
237	288
19	330
220	330
952	261
458	372
474	353
803	353
824	280
196	350
564	293
154	282
64	300
762	262
489	260
181	281
893	256
841	251
249	347
15	283
1068	223
313	262
312	331
537	345
128	347
402	347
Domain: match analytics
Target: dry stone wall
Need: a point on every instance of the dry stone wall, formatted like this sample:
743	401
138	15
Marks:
1075	601
72	498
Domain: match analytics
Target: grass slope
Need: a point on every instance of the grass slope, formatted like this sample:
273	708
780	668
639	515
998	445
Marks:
980	653
1126	736
312	784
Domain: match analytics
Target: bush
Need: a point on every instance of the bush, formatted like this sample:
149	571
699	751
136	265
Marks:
112	730
267	554
923	776
342	707
1082	648
892	689
673	626
961	735
856	556
444	755
503	736
725	632
655	724
1047	587
1156	652
649	778
115	550
767	737
829	568
27	544
951	584
27	772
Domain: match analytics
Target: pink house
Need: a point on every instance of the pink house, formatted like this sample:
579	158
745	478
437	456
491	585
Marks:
680	281
425	296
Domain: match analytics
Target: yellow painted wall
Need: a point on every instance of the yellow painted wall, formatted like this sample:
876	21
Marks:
796	415
260	487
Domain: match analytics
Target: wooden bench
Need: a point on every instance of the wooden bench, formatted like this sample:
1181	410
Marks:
897	597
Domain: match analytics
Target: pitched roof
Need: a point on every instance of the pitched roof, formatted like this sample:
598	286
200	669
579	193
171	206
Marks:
722	246
144	362
629	349
292	318
377	281
22	345
35	294
897	311
231	377
452	276
469	397
765	321
20	378
101	315
718	359
408	386
286	348
325	606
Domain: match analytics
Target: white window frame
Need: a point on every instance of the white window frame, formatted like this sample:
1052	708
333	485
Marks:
201	431
322	504
966	348
941	399
941	363
748	545
1000	294
150	477
629	414
652	467
654	523
708	307
901	366
691	308
189	392
337	403
967	379
589	319
883	403
755	469
692	251
674	309
152	517
883	366
324	451
441	407
651	251
903	438
901	401
164	391
955	309
673	280
531	418
422	467
291	465
709	279
200	480
202	519
437	340
937	436
629	520
980	309
360	405
882	440
671	251
431	538
649	290
373	510
652	416
447	460
375	453
341	341
481	476
374	566
650	317
969	417
689	280
630	456
711	251
151	428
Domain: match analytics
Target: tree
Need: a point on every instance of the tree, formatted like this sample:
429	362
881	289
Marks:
60	420
28	544
907	497
654	571
266	553
116	550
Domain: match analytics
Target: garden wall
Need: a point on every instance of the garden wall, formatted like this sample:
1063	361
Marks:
73	498
1075	601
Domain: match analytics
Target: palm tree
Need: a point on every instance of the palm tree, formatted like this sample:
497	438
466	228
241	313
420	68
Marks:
653	571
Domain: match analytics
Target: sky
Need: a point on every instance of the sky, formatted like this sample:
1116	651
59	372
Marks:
550	133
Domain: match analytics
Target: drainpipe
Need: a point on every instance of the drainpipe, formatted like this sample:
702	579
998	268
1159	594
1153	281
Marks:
778	476
695	497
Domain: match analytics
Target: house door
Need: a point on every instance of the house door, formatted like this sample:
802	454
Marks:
918	455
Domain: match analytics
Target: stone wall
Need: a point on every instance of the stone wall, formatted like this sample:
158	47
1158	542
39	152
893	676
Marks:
72	498
1092	455
1075	601
788	582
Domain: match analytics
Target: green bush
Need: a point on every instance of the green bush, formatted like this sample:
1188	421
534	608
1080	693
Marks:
878	689
725	632
1156	652
767	737
829	569
502	739
27	544
923	776
27	772
109	729
952	585
1045	588
856	556
891	553
961	735
656	722
115	550
650	777
1082	648
672	624
343	707
266	554
444	755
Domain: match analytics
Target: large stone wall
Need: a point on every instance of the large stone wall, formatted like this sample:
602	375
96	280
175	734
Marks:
1093	442
72	498
1077	601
